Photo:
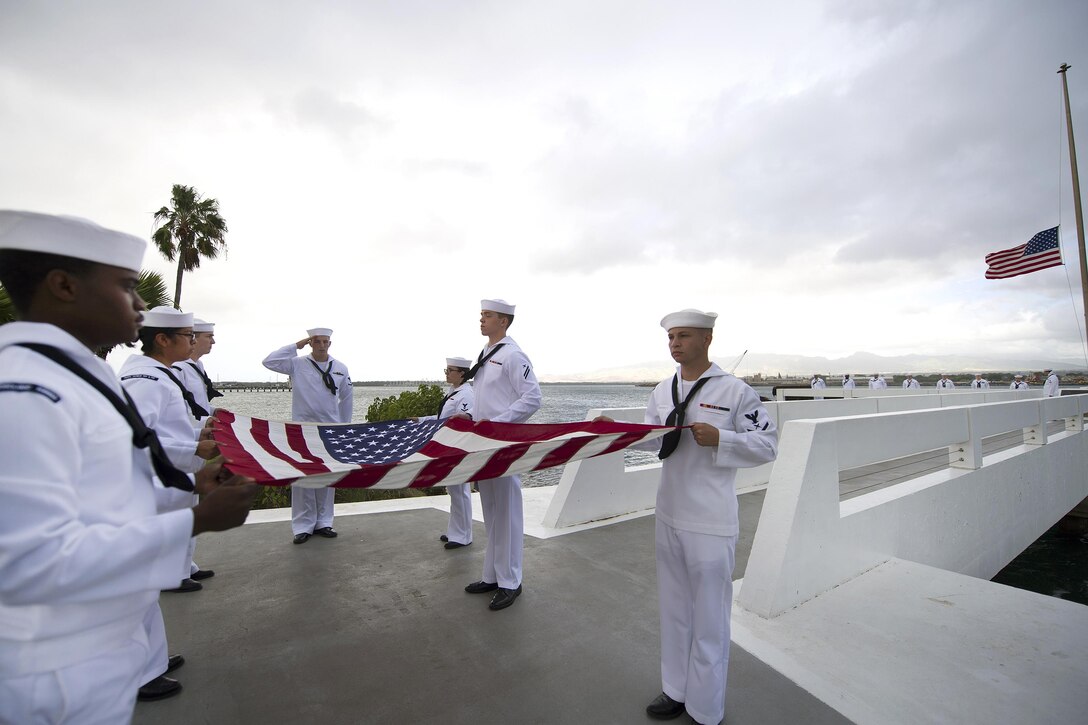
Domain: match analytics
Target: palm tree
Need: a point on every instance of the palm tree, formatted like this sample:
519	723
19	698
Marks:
7	311
193	230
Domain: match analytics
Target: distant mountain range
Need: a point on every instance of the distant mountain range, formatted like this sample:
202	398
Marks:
859	363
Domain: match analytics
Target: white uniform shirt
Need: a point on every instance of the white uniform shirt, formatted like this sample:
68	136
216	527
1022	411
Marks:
505	387
194	383
911	383
82	553
945	384
696	491
980	384
163	407
460	402
1050	387
848	382
878	383
1018	385
311	401
818	383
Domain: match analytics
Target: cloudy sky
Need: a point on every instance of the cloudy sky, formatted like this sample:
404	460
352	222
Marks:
827	175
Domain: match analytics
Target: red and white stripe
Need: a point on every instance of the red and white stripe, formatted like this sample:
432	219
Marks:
1012	262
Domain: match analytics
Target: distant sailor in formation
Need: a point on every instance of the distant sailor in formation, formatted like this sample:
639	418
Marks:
321	392
910	382
506	391
1052	386
980	383
459	401
83	553
877	382
1018	383
697	515
848	382
817	383
945	383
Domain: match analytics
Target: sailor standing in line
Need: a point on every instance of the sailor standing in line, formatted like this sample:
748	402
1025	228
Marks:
697	514
459	401
321	393
817	383
848	382
1018	383
945	383
910	382
877	382
83	553
196	381
980	383
506	391
1052	386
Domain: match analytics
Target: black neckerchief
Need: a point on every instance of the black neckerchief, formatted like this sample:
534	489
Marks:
676	417
142	436
208	388
194	407
480	360
326	377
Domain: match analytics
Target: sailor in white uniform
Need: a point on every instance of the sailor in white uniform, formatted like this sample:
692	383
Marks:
945	383
697	515
848	382
506	391
459	401
321	393
1018	383
877	382
980	383
1052	386
910	382
817	383
83	553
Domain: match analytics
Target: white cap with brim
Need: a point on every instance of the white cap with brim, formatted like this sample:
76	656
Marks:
70	237
689	318
1018	375
497	306
200	325
320	331
458	362
167	317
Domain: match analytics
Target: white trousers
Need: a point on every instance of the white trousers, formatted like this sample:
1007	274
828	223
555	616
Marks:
695	593
311	508
157	656
460	526
192	568
504	521
97	691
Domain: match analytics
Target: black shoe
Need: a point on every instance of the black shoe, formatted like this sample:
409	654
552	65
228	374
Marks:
327	532
481	587
187	585
159	688
443	537
301	538
174	662
455	544
664	708
504	598
202	574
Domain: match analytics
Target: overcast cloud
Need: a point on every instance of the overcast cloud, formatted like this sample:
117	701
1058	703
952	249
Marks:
826	175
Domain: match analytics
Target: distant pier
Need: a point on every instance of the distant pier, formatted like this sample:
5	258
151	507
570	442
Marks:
254	387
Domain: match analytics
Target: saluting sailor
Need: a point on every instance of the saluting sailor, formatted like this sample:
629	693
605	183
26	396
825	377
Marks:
848	382
697	517
910	382
980	383
877	382
1018	383
817	383
83	553
459	401
321	392
945	383
1052	386
506	391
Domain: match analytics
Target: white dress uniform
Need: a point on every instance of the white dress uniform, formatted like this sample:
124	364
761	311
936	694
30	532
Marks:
1051	388
848	383
1018	385
943	384
911	384
83	554
981	384
312	402
459	529
191	373
696	533
506	391
817	383
878	383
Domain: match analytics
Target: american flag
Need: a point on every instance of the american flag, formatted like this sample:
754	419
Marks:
403	454
1040	252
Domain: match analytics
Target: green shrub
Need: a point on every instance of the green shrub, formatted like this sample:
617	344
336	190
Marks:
409	404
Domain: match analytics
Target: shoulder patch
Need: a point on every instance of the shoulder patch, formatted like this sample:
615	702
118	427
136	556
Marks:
138	375
29	388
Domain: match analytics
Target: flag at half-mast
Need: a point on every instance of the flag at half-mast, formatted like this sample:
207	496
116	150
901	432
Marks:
403	454
1040	252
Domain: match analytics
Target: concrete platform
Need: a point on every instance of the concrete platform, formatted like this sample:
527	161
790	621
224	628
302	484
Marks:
374	627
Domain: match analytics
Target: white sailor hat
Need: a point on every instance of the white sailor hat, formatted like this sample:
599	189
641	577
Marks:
69	237
1018	375
200	325
318	331
689	318
497	305
167	317
1048	370
458	362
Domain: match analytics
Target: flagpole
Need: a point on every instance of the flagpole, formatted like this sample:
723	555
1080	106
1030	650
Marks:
1077	211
